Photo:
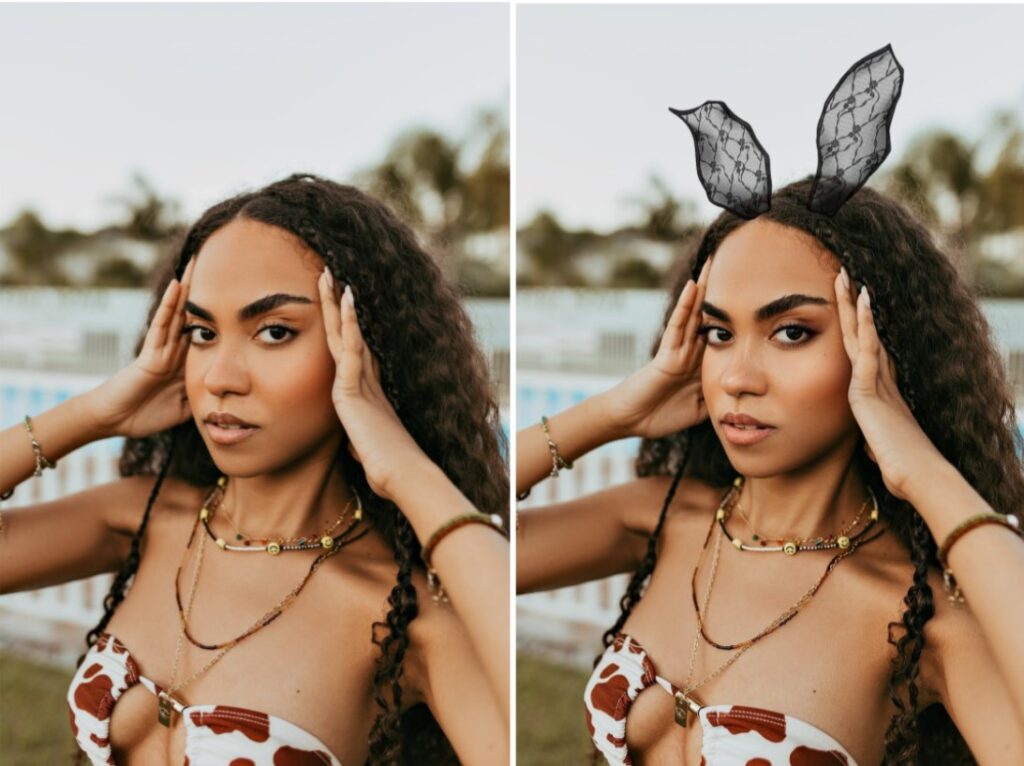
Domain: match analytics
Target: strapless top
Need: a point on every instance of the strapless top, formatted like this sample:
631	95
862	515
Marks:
215	735
734	735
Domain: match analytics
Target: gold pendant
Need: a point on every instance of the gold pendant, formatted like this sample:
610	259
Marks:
684	707
165	709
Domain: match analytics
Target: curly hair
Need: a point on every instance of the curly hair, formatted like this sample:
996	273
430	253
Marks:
950	374
432	371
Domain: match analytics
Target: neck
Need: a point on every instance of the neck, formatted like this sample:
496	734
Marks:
300	500
817	500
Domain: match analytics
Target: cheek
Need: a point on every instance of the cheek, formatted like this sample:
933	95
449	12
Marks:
303	380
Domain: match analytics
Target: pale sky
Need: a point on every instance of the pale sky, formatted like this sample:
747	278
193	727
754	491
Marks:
206	100
594	84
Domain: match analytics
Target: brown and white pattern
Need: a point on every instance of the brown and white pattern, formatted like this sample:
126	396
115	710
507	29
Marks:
734	735
215	735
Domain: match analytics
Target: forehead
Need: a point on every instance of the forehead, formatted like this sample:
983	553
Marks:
245	260
762	260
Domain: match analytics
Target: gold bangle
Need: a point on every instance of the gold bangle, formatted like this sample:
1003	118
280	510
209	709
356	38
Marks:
950	584
557	461
460	520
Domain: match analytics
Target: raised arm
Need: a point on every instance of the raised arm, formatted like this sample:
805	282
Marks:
74	536
603	533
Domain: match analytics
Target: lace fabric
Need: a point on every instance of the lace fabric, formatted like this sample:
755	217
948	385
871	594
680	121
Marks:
732	165
853	131
853	141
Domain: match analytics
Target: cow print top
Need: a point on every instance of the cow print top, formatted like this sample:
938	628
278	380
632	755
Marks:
215	735
733	735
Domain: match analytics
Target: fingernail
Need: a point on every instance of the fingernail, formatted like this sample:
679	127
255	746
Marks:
864	292
845	276
348	292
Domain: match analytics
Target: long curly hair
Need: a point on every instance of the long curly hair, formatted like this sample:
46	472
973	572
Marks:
950	374
432	371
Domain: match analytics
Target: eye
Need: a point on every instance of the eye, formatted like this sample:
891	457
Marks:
187	330
792	334
803	334
708	329
277	339
276	334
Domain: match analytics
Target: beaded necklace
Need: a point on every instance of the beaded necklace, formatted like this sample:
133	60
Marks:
792	546
325	540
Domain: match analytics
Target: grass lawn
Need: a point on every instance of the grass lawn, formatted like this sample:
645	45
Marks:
34	724
549	715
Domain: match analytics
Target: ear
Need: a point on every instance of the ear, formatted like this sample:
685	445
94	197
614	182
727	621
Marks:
731	163
853	130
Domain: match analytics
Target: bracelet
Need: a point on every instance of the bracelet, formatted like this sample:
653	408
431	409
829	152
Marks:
41	461
461	520
557	461
1009	521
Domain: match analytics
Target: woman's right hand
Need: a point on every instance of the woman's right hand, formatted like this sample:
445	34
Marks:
664	396
148	396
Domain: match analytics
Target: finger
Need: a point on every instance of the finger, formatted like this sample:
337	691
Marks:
156	336
351	335
847	314
179	310
867	339
677	322
331	313
696	312
350	367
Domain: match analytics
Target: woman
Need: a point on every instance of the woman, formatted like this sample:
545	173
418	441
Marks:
311	440
814	368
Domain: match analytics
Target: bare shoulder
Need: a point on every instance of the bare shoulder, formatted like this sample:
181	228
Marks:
128	496
646	496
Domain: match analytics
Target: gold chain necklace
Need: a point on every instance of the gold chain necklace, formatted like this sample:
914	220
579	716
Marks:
685	702
167	704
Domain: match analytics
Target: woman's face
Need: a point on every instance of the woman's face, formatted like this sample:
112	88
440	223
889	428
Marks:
775	350
258	348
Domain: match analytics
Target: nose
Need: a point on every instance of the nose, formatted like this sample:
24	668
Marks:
226	371
743	372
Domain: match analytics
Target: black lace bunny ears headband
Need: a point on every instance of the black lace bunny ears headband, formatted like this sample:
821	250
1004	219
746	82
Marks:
853	141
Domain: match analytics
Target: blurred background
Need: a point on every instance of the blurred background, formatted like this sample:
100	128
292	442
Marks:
607	200
122	123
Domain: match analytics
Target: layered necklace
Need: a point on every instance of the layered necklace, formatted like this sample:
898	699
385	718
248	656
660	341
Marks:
685	702
167	705
791	545
326	538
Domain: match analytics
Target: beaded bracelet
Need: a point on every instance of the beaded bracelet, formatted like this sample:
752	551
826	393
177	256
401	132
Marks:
471	517
41	461
1009	521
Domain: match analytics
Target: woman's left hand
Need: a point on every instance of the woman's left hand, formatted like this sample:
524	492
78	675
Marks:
894	438
377	438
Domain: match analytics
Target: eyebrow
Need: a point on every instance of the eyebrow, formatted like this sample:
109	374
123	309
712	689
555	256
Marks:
254	309
769	310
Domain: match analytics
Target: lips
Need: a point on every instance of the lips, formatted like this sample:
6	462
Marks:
225	428
226	419
745	430
739	420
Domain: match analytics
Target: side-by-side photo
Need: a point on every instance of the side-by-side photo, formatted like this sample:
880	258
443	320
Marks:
254	372
770	354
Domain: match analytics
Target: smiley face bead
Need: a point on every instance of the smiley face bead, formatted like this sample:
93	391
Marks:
274	548
327	542
789	548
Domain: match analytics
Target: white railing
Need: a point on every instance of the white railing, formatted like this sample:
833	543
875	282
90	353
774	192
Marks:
78	603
